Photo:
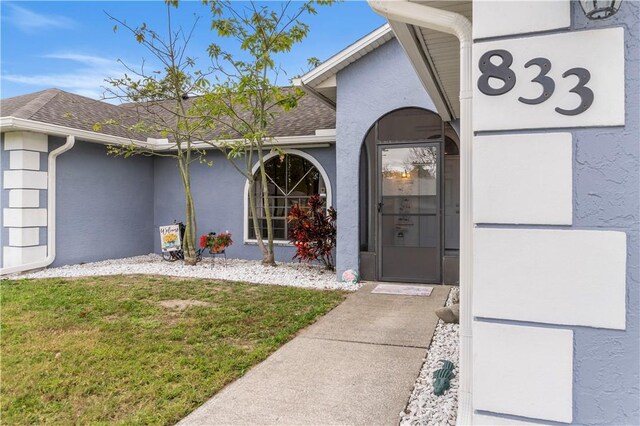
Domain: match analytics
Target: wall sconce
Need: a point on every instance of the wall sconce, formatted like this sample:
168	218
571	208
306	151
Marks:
600	9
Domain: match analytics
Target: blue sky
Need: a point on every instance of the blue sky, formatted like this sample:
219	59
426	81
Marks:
71	45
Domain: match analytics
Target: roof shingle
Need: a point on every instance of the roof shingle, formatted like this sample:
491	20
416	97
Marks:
61	108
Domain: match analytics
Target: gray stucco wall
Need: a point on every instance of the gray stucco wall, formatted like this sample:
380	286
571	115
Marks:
104	204
218	192
380	82
607	196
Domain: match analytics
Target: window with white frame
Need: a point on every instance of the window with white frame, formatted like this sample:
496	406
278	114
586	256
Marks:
291	180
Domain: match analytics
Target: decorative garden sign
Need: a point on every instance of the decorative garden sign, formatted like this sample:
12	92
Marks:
170	237
562	80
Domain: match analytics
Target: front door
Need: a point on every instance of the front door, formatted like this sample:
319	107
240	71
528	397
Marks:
409	212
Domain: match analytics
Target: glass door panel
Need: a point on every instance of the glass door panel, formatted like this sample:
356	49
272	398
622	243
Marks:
409	209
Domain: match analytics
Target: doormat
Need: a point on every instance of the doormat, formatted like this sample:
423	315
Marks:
404	290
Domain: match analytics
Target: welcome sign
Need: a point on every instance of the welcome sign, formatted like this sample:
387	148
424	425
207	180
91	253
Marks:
170	237
562	80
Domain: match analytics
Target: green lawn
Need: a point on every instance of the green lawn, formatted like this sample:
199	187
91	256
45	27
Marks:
102	350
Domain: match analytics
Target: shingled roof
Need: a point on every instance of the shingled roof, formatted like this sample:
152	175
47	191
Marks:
54	106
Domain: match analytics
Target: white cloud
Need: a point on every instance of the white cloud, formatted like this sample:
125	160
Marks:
86	79
79	57
30	22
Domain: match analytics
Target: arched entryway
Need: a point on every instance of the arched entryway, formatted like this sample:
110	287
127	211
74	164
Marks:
409	199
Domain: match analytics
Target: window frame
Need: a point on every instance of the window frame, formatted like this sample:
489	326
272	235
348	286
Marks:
254	169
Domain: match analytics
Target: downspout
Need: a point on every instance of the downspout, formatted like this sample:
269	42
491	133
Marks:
51	213
453	23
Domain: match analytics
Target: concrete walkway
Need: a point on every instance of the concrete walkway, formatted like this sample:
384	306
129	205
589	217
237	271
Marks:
356	366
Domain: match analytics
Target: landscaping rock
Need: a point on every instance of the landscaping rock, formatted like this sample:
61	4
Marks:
250	271
425	408
449	314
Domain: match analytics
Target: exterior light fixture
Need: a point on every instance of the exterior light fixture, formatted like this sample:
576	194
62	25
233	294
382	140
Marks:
404	174
600	9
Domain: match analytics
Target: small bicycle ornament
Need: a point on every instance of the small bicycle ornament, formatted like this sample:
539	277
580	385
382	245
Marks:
171	237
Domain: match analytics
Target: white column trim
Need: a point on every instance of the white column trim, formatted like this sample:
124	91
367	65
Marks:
51	215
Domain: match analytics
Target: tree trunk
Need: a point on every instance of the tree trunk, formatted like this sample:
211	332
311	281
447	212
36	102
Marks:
254	215
189	243
267	257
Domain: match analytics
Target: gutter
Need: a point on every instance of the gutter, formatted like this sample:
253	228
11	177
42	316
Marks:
51	213
14	123
453	23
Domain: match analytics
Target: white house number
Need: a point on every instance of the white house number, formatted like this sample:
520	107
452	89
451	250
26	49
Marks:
504	73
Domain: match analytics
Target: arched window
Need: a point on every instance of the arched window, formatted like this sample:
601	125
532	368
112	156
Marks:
291	180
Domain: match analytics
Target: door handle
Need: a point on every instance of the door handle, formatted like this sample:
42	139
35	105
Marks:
379	207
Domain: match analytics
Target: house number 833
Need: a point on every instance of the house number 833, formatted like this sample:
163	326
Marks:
503	72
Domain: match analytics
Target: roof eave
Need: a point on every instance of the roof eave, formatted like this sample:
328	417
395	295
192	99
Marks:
328	67
325	138
418	57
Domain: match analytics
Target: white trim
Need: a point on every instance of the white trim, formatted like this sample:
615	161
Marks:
338	61
523	371
51	215
536	164
254	169
530	275
24	198
24	179
23	217
26	141
12	123
14	257
453	23
24	237
24	160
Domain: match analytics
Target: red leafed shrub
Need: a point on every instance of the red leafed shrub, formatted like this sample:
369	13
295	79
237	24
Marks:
313	231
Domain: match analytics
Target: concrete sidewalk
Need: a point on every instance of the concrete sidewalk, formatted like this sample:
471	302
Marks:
357	365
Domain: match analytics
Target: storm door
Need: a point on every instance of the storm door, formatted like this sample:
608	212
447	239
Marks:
409	212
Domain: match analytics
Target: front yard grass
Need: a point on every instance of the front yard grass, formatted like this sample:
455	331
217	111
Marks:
103	349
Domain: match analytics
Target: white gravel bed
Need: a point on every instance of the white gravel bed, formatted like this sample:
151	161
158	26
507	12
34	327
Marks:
290	274
425	408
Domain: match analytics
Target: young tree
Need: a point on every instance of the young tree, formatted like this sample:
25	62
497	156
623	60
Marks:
245	98
159	106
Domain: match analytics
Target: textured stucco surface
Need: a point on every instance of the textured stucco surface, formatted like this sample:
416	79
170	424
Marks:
607	196
104	204
218	192
380	82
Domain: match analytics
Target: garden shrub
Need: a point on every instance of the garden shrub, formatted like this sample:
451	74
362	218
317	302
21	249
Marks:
312	230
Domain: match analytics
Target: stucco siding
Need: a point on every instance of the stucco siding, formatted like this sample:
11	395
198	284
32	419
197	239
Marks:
104	204
607	197
380	82
218	192
605	200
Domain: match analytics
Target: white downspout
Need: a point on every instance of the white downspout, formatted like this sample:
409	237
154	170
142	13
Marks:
453	23
51	213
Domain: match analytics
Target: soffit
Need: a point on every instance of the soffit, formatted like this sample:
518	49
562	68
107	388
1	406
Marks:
440	55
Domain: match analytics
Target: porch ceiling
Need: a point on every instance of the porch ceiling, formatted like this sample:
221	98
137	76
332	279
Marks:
436	56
